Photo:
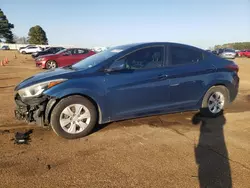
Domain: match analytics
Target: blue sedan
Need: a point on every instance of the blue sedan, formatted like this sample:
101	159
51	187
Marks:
124	82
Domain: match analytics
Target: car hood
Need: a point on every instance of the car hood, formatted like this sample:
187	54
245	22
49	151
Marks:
46	76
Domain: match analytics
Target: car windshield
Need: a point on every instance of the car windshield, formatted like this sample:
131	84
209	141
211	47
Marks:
229	50
99	57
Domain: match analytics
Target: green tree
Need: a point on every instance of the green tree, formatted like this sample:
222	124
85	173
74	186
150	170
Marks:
5	28
236	45
37	35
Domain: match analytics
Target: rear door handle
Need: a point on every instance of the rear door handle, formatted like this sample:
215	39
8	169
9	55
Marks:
162	76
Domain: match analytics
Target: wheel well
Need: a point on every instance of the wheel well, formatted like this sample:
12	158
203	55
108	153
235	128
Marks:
229	94
200	102
219	85
98	110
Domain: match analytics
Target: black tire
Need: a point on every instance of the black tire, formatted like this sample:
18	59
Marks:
74	99
204	108
48	64
23	52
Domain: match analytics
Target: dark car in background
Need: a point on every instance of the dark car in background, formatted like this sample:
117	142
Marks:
5	47
51	50
63	58
214	52
125	82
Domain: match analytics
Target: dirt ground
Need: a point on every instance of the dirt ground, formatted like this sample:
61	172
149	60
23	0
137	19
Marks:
177	150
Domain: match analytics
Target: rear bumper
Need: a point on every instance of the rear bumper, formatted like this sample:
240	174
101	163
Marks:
228	56
235	88
34	109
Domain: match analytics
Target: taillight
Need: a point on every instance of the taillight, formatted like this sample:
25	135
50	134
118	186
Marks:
233	67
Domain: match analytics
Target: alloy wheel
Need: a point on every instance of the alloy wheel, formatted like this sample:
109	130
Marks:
51	65
75	118
216	102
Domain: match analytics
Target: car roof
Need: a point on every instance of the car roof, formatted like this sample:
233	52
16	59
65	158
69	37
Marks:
77	48
142	44
55	47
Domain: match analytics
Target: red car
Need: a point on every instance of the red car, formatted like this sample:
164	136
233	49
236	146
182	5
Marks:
247	53
243	53
63	58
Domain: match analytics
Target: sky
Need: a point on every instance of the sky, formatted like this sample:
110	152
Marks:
89	23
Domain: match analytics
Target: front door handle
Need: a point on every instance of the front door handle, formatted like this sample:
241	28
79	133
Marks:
162	76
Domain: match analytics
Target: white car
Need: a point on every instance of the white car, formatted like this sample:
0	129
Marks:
30	49
99	49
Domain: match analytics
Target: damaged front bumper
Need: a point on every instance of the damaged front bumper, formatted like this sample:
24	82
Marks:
34	109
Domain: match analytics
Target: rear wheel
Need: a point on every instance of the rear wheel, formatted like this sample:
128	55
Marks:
51	65
214	101
73	117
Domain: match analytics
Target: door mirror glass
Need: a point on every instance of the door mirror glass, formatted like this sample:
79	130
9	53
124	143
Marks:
66	54
117	65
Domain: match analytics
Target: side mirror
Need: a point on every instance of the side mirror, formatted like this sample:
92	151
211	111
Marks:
116	66
65	54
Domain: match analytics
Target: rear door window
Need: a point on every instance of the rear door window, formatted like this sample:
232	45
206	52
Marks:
180	55
82	51
70	52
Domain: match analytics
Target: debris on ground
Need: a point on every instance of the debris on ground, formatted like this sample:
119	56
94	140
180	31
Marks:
4	131
22	138
49	167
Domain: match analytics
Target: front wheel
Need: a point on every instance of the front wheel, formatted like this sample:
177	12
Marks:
51	65
214	101
23	52
73	117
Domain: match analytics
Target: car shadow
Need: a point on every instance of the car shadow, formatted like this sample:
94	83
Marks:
211	152
99	127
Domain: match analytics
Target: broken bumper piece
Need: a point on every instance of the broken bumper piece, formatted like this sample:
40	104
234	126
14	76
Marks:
31	109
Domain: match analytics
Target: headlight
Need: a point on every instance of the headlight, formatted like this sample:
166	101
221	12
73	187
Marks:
37	89
40	59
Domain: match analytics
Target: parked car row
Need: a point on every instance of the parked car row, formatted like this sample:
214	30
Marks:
53	57
225	53
230	53
60	57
